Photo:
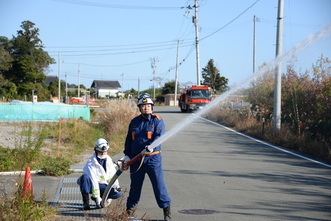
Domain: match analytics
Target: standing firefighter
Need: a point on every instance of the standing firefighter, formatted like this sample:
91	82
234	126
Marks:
98	171
143	130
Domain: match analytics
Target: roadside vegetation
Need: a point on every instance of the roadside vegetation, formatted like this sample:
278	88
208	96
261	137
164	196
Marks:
48	146
13	206
53	146
306	108
39	147
114	120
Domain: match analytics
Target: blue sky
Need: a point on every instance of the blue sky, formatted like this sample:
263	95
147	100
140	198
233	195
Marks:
116	40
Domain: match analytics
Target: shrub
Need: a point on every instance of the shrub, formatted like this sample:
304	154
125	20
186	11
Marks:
57	166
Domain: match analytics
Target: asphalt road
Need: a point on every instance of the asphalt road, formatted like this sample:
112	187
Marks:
217	174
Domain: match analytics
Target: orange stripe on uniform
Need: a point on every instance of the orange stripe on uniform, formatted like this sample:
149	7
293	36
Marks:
132	135
157	116
153	153
149	135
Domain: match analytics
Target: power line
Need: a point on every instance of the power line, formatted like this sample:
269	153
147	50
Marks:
120	50
231	21
106	5
133	48
115	65
110	46
165	74
227	24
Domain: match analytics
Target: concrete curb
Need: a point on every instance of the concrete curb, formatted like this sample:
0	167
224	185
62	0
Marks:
32	172
19	172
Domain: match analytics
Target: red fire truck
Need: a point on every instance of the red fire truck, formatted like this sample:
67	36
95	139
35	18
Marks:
194	98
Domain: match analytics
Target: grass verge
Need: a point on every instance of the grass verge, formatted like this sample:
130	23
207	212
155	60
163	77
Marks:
244	121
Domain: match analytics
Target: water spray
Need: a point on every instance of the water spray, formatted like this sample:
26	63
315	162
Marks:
309	40
271	65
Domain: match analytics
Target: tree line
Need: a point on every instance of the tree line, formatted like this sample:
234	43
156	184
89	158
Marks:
24	65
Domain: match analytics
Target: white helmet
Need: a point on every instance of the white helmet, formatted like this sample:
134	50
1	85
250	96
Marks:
145	98
101	145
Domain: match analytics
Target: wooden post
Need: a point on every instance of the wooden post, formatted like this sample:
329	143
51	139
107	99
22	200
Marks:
75	126
59	140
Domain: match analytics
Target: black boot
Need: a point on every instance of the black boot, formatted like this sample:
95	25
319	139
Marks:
86	201
130	212
167	213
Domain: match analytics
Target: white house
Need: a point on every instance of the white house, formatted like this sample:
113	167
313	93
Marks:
104	89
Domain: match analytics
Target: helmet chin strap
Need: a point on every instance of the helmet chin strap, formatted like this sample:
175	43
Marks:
145	115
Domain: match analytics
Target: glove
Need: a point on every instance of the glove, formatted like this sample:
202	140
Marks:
117	164
148	149
98	201
123	161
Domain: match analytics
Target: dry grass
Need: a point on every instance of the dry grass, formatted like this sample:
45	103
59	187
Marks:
245	122
117	115
117	211
114	119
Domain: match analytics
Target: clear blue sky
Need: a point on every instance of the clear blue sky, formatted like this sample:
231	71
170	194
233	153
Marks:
115	40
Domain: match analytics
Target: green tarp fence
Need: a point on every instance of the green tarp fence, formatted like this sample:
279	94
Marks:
42	112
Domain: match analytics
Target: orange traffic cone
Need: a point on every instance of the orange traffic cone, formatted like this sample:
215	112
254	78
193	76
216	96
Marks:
27	185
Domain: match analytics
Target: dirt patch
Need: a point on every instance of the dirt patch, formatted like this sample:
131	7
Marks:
10	134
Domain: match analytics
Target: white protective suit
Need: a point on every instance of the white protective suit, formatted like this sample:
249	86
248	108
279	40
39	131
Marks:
98	175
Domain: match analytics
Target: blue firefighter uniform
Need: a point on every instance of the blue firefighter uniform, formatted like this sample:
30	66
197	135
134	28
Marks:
143	130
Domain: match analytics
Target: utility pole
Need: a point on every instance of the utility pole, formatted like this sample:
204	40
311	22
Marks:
196	24
59	74
195	21
153	65
78	81
66	88
122	81
176	76
254	42
138	86
278	71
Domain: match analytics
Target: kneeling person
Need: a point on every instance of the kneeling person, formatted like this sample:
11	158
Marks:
98	171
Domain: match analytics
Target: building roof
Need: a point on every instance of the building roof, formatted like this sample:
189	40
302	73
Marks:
105	84
50	79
